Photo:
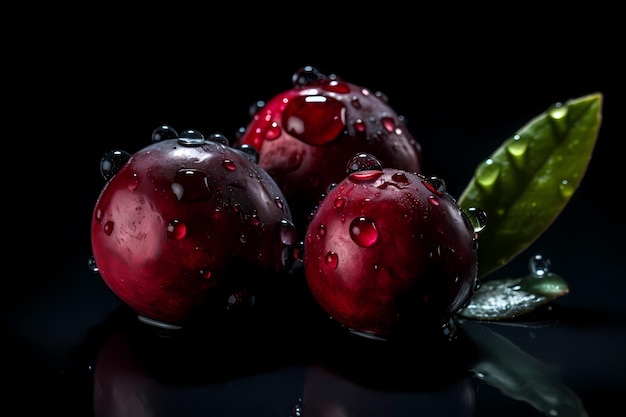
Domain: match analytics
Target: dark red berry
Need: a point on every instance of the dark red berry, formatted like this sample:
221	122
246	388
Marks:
390	250
305	136
187	220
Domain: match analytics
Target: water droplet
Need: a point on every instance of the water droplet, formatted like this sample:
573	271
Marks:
243	238
539	266
298	251
337	86
307	75
388	123
250	152
558	117
400	177
363	231
205	273
229	165
219	138
133	181
176	229
331	260
163	132
112	162
339	202
321	230
516	148
487	173
190	185
363	162
356	103
108	228
273	131
359	125
91	263
566	189
433	200
279	202
288	232
477	218
191	137
314	119
436	185
557	111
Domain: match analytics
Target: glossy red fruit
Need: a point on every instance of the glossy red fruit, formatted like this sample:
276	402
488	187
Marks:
389	251
306	135
187	221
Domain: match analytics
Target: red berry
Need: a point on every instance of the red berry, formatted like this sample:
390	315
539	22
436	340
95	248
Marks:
306	135
389	250
186	221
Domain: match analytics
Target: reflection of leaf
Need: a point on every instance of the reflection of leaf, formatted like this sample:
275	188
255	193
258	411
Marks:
503	365
524	185
511	297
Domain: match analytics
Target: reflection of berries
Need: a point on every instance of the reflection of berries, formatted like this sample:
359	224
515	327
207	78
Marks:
388	249
185	220
306	135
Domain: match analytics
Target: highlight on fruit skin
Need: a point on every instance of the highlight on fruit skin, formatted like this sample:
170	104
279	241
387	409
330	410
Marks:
188	224
389	252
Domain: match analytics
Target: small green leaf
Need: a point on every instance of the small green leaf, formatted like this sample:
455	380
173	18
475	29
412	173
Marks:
525	184
508	298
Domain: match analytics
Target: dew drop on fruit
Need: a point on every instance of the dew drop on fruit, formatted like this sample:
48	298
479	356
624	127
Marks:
436	185
279	203
477	218
331	260
112	162
219	138
190	185
288	232
337	86
307	75
229	165
539	266
298	251
363	162
314	119
133	182
388	123
191	137
163	132
339	202
250	152
108	228
487	173
176	229
400	177
91	263
359	125
363	231
273	131
433	200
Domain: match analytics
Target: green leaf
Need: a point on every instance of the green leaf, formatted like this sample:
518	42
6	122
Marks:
512	297
525	184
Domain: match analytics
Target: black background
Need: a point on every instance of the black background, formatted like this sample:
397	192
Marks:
105	79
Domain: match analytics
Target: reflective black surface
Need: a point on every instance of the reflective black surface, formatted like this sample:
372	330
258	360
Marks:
70	346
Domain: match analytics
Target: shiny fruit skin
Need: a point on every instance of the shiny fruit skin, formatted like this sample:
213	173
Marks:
183	223
389	252
305	136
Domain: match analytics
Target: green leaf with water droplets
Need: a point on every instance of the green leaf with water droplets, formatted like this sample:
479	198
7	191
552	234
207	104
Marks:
509	298
525	183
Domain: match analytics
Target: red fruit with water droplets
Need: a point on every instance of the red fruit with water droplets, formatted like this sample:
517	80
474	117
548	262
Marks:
389	252
187	223
306	135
